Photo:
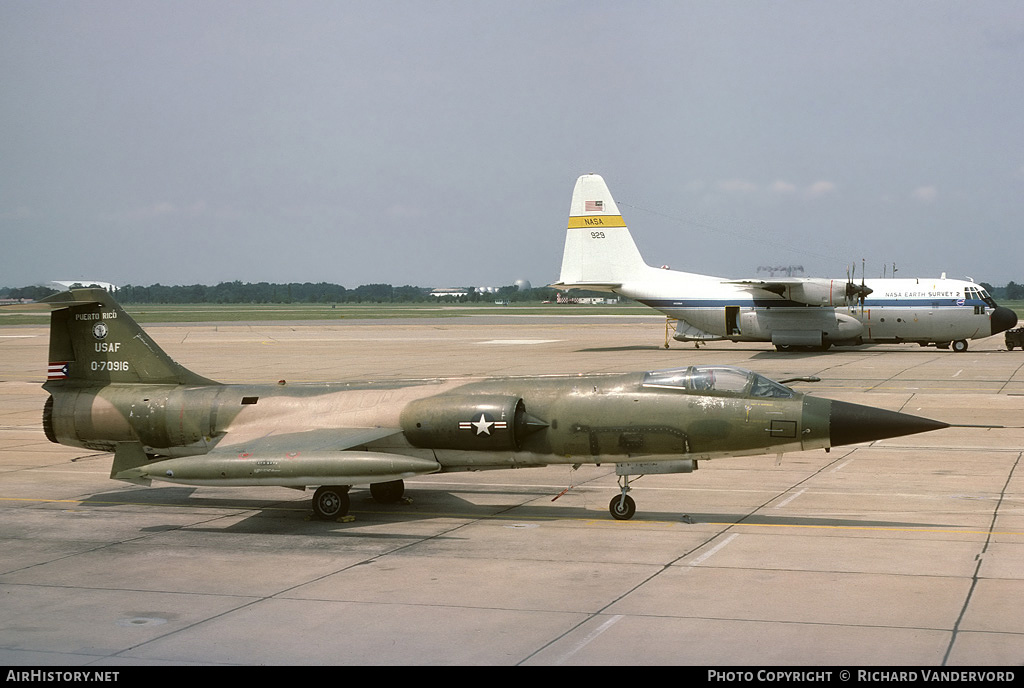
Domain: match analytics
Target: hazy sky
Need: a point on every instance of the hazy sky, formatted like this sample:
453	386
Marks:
437	143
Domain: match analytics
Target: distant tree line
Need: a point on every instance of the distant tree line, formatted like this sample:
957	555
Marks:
1012	292
33	293
325	292
294	292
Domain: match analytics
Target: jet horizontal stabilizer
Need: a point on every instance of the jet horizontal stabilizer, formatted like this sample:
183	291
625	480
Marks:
64	299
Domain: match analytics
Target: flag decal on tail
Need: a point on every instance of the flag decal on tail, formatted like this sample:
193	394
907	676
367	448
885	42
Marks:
57	371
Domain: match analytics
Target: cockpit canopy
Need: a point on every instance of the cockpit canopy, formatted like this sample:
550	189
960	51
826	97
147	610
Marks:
979	293
718	380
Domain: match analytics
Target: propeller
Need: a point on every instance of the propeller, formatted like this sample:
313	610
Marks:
853	290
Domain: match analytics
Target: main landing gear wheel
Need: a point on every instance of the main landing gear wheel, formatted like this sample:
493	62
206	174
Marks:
330	502
387	493
622	507
960	346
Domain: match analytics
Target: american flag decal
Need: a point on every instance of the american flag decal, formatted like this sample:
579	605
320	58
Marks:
593	206
57	371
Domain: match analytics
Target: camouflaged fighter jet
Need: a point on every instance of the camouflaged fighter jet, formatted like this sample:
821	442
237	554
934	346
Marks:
113	389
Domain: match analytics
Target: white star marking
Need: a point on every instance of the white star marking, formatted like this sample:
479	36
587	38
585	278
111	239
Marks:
483	426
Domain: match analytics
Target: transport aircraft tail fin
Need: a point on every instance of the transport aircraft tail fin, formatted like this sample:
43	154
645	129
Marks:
92	339
600	253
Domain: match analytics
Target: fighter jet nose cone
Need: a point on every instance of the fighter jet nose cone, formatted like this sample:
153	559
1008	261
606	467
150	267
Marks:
853	423
1003	319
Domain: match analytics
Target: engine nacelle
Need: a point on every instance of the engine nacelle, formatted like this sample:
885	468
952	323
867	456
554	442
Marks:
468	421
819	292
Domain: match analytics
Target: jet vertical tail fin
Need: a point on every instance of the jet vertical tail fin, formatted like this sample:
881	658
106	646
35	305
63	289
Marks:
599	251
92	339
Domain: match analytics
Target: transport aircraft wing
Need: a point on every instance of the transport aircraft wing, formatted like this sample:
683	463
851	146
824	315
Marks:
810	291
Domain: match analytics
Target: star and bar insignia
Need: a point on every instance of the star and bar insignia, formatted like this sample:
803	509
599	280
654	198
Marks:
483	425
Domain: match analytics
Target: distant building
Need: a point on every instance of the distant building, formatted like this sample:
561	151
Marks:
451	291
562	297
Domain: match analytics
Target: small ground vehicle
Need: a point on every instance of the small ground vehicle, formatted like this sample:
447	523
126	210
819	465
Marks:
1015	337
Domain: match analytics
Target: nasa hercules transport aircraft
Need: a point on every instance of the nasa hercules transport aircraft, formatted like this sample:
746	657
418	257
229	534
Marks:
112	389
791	313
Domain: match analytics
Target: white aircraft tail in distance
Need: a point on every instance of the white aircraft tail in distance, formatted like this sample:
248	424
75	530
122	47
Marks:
791	312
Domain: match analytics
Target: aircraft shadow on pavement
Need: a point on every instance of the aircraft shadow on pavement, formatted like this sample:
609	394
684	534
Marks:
604	349
295	516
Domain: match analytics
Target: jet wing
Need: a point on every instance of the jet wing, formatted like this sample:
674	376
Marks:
333	439
298	459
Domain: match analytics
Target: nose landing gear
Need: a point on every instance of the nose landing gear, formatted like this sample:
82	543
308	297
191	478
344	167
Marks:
622	507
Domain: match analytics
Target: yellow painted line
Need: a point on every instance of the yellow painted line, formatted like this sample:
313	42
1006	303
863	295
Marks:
871	528
93	502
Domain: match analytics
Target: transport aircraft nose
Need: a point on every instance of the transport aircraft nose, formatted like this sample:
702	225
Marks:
1003	319
853	423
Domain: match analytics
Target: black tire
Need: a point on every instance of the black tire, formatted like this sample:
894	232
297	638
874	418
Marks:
330	503
389	492
622	509
960	346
